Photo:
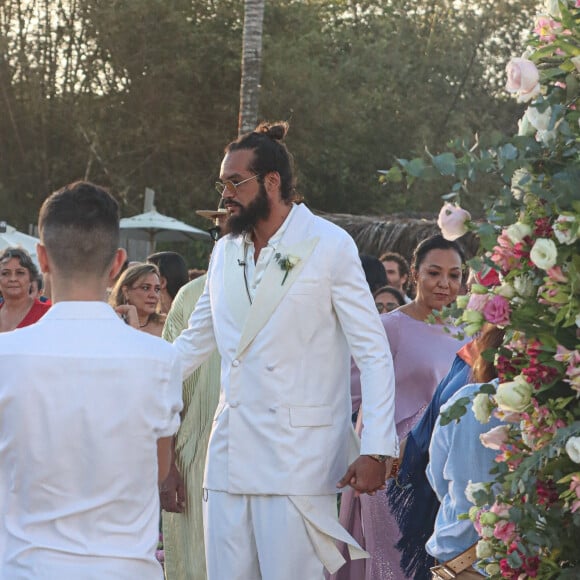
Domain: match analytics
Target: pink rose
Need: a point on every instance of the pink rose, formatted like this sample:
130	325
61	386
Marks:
504	531
523	79
497	310
452	221
495	437
501	510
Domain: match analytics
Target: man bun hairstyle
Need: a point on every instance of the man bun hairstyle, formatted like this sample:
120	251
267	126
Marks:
276	131
270	155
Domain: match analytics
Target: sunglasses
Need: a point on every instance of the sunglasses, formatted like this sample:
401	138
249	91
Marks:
385	308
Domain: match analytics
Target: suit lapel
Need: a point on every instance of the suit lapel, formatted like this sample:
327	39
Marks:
271	289
234	285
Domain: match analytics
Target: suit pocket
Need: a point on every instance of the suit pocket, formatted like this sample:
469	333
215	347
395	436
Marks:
320	416
304	287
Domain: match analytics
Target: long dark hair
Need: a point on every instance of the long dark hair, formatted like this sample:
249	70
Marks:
173	268
490	339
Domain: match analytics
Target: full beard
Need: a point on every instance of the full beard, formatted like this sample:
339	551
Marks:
247	218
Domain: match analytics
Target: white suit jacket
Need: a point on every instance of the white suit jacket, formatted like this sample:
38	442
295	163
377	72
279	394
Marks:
283	423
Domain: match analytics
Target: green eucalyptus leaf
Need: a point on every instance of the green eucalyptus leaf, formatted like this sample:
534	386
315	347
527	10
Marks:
444	163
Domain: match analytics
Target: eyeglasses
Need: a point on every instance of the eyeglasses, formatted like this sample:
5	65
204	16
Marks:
147	288
230	186
386	307
214	233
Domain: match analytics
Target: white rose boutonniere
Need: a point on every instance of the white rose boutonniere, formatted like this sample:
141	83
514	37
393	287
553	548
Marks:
286	263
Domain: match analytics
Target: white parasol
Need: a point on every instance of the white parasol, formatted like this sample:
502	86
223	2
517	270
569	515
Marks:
10	237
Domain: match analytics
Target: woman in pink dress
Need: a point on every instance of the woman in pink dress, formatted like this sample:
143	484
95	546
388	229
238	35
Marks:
422	355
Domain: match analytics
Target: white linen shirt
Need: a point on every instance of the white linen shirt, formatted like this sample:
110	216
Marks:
83	400
255	270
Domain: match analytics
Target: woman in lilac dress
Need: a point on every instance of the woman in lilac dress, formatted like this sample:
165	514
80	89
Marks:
422	355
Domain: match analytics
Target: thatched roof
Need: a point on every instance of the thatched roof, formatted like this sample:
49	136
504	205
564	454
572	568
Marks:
374	235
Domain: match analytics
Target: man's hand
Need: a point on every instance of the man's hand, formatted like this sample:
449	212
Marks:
172	492
366	475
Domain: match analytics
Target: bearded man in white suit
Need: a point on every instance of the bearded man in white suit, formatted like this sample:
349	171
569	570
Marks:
286	303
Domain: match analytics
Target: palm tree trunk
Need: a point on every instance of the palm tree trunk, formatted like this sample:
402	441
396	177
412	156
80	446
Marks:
251	65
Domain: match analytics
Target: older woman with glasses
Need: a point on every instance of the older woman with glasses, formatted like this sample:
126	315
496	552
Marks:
140	286
18	308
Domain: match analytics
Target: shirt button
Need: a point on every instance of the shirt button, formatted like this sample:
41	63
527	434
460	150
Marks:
270	367
234	404
236	363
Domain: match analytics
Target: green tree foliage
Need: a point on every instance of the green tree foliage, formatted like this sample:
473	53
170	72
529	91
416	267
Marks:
134	94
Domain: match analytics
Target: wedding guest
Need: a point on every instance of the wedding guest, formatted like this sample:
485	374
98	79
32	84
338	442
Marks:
19	307
456	457
397	270
181	493
374	272
422	354
173	274
140	286
87	410
388	299
411	493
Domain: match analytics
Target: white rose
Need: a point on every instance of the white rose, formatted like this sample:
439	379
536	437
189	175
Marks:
472	488
544	253
514	395
539	120
523	79
521	176
566	229
518	231
453	221
573	449
482	408
524	285
525	128
506	290
492	569
484	549
547	137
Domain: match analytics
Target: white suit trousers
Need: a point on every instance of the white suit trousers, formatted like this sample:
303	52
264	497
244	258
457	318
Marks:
261	537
